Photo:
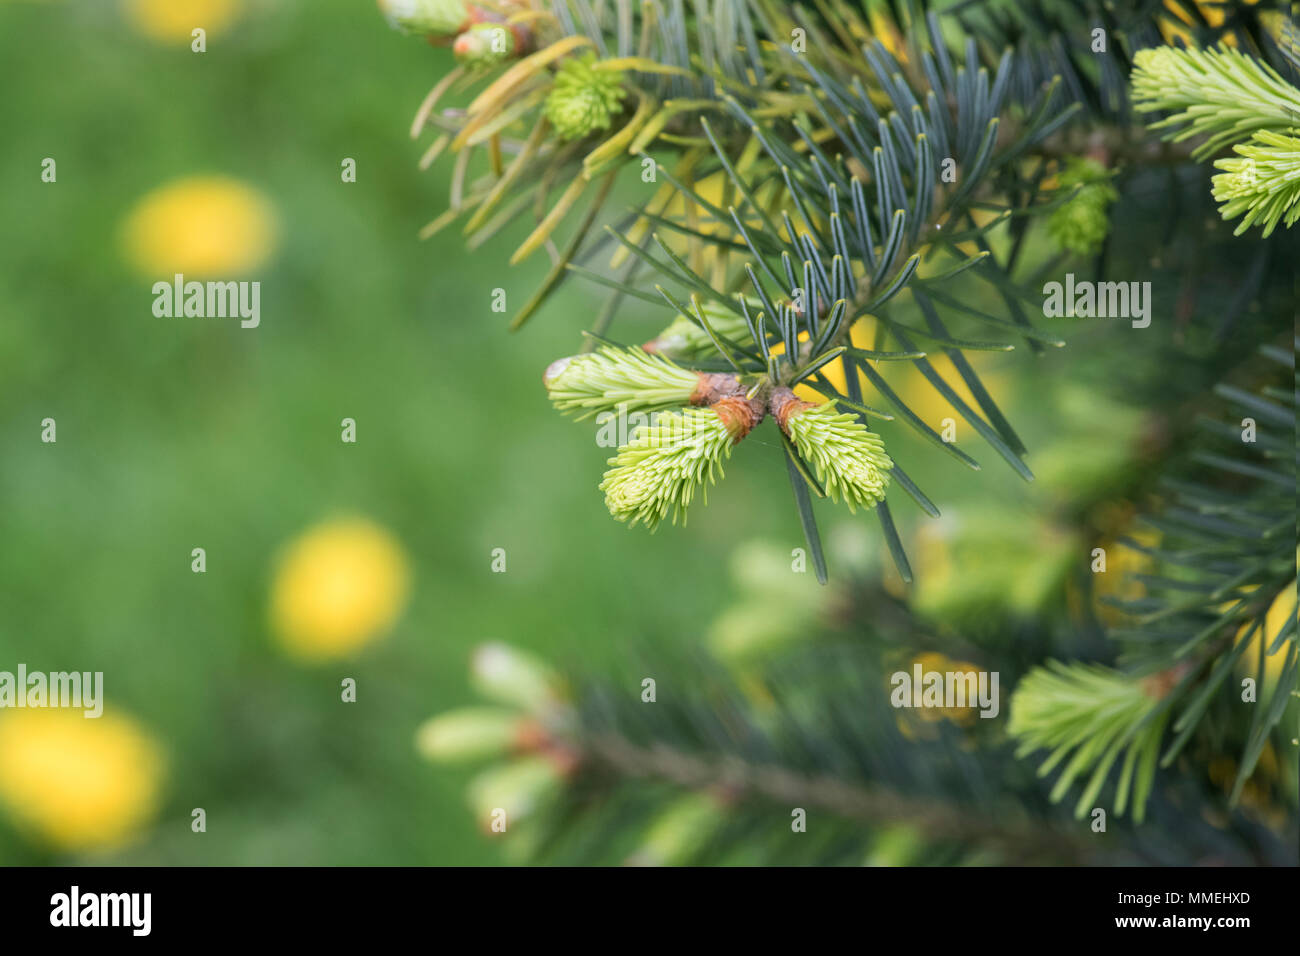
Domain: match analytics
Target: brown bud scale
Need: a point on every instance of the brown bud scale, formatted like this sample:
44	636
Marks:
739	414
784	403
715	386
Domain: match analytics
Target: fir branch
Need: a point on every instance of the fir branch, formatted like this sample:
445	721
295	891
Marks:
1006	829
1091	715
1263	182
669	461
1222	95
614	380
1223	582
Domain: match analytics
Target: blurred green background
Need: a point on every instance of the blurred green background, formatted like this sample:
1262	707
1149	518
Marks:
182	433
176	433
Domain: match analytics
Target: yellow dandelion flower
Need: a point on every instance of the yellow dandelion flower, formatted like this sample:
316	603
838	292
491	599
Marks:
339	586
79	783
174	21
202	226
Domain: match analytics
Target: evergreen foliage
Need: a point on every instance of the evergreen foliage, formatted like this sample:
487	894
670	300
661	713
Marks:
829	188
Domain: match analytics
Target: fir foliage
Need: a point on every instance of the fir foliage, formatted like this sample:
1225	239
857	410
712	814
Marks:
828	188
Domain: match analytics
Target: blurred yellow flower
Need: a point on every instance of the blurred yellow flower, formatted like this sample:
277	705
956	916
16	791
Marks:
909	382
80	783
926	401
885	29
202	226
861	337
917	723
963	715
340	586
1118	581
173	21
1209	12
1279	613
